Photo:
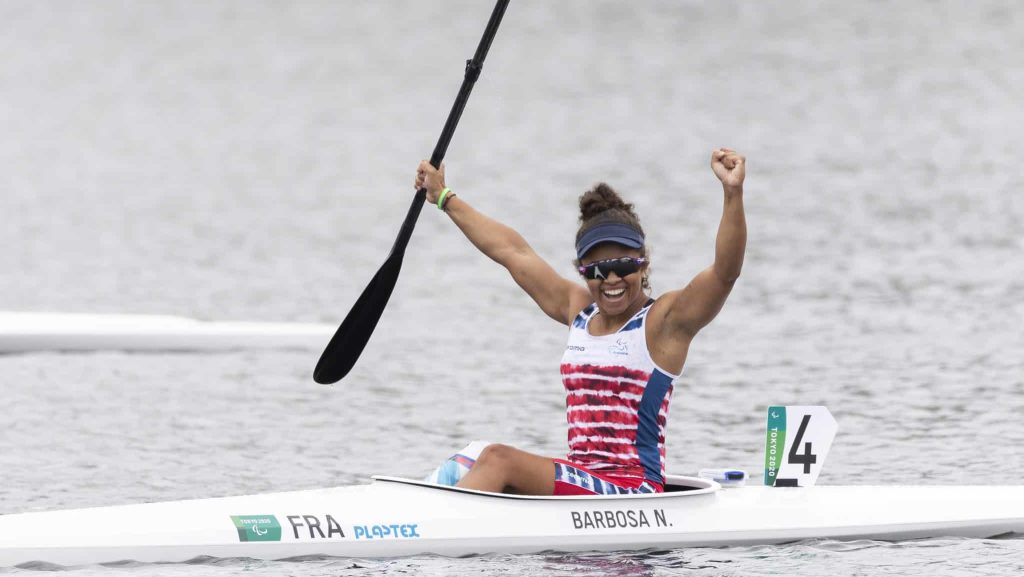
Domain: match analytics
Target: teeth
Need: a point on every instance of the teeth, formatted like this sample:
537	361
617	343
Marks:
615	293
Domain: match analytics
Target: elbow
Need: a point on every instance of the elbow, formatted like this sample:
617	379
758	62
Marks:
728	275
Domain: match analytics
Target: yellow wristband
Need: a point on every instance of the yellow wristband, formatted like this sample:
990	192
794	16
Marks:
447	201
440	198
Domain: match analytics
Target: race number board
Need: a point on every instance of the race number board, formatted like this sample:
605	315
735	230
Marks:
796	444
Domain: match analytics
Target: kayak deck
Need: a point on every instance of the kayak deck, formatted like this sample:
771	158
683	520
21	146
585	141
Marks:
399	517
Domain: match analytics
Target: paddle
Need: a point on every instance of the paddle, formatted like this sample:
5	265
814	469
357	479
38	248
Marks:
349	341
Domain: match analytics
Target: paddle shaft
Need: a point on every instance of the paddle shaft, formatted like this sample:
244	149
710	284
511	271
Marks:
473	69
354	333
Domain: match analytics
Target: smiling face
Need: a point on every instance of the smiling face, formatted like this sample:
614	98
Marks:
616	295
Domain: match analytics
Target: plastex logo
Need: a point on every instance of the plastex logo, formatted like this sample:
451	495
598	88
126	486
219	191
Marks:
257	527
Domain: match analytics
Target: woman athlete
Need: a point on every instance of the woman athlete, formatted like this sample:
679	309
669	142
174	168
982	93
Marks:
625	348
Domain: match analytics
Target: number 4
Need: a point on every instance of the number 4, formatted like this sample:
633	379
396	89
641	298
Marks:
807	458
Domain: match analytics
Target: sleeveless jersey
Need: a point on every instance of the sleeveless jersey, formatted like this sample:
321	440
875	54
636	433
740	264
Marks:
616	400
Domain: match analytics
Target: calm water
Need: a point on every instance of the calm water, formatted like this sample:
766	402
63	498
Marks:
253	160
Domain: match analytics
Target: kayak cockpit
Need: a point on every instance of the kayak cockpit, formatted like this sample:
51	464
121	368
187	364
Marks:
675	486
680	484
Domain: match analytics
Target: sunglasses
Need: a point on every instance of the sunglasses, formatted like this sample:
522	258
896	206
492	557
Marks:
622	267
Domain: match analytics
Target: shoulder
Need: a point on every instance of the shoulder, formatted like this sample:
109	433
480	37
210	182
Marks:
667	343
661	318
662	304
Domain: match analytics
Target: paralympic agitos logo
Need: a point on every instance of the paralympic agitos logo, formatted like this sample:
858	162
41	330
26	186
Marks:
257	527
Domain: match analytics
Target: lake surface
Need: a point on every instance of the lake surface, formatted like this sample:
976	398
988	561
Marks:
253	160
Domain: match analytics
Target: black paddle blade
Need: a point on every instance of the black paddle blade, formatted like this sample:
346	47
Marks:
348	343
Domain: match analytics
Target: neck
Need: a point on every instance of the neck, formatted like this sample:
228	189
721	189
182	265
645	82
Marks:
608	323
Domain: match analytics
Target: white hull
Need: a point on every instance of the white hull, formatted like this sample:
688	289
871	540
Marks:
394	517
25	332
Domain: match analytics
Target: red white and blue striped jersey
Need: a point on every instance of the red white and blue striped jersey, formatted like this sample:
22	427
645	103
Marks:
616	400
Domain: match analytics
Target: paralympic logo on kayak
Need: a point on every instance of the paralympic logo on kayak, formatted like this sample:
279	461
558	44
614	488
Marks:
257	527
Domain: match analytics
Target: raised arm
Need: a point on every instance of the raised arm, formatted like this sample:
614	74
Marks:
688	310
558	297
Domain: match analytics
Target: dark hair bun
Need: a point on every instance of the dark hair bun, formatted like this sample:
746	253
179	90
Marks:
600	199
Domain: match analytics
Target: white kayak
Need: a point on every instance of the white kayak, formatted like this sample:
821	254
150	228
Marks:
399	517
30	331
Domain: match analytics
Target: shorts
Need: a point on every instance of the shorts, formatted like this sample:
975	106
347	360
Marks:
571	479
